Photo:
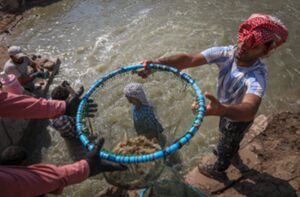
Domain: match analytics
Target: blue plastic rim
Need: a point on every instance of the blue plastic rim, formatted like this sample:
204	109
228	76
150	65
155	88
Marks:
127	159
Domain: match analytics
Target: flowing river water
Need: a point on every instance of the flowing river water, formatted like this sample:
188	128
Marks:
93	37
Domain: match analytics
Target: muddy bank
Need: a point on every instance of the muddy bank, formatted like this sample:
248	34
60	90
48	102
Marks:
270	155
10	15
7	23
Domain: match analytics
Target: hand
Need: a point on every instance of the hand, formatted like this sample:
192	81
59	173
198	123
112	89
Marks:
194	107
214	108
145	72
74	100
66	85
97	165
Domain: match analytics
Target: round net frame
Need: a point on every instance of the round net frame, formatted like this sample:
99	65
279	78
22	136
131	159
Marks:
82	121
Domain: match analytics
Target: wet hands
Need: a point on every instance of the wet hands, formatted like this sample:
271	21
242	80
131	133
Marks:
97	165
214	108
194	107
146	71
74	100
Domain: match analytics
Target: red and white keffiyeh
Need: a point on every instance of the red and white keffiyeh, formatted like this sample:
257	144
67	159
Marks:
259	29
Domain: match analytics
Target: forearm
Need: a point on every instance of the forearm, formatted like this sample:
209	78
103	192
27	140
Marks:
41	178
23	106
182	61
238	112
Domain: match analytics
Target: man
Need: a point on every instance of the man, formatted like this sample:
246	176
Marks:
44	178
241	82
18	65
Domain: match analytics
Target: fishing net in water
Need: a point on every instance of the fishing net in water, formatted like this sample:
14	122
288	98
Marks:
169	94
171	188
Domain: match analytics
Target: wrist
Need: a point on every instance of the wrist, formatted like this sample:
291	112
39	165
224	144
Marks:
223	110
157	61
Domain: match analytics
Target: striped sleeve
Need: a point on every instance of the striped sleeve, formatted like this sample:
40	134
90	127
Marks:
256	84
216	55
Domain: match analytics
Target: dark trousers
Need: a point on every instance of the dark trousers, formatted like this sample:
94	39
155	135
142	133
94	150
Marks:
231	134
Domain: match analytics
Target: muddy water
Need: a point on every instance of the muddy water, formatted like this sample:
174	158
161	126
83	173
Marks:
96	36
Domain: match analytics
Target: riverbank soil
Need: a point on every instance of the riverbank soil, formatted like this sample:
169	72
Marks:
7	21
10	15
270	154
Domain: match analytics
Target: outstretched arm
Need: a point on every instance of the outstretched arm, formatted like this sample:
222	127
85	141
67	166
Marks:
46	178
23	106
41	178
245	111
182	61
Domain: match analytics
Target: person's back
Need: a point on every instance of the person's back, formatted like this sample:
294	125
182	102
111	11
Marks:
145	121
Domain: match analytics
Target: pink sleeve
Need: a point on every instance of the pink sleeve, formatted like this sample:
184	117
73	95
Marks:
41	178
23	106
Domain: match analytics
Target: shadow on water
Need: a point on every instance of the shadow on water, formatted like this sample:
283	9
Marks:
37	138
39	3
253	183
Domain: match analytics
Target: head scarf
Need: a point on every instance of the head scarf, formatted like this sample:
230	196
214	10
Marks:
260	29
136	90
14	50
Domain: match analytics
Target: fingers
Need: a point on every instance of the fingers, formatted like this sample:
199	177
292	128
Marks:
108	166
100	143
97	148
146	71
70	89
80	91
211	97
90	100
65	83
91	108
194	106
145	63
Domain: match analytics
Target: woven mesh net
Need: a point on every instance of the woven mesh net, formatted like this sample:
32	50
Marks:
171	98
